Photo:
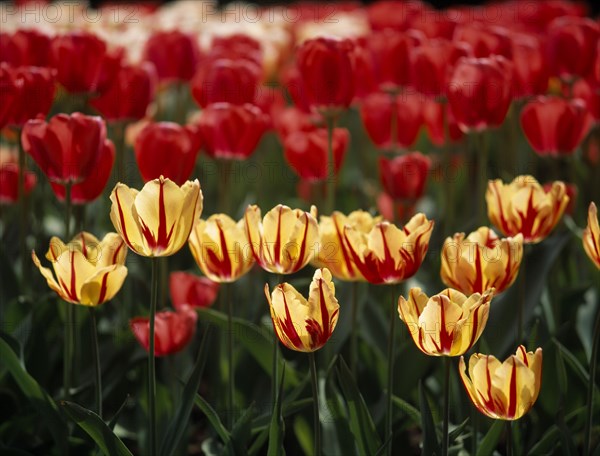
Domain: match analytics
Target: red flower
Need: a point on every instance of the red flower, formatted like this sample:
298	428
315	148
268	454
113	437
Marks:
530	67
10	88
231	131
9	179
590	95
226	80
325	71
35	96
172	330
433	117
555	126
484	40
404	177
292	81
432	64
376	114
480	92
129	94
395	210
174	54
307	152
26	47
572	45
292	119
192	290
166	149
394	14
79	58
434	24
68	148
235	47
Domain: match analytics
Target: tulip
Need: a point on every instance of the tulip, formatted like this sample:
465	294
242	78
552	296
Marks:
591	236
174	54
524	207
192	290
394	14
334	253
506	390
572	192
586	91
530	66
67	148
26	47
9	178
35	96
306	152
481	261
484	40
433	118
219	247
404	177
304	325
10	87
446	324
174	330
232	132
388	254
555	126
480	92
167	149
292	120
235	47
88	272
157	220
283	241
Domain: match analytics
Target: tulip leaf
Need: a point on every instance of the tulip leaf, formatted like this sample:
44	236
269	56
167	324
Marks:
277	428
547	443
431	444
179	425
98	430
241	432
35	393
412	412
215	422
361	422
113	421
337	435
488	444
458	430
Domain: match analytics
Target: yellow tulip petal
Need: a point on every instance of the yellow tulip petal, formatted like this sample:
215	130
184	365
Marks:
47	274
112	251
124	220
591	236
103	285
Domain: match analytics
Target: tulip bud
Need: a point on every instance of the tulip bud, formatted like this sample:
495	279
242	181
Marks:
174	54
591	236
404	177
192	290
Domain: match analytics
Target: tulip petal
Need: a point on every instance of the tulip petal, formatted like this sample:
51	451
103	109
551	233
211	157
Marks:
323	308
103	285
47	273
122	216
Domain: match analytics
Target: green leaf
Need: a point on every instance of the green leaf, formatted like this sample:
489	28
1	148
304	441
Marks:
107	441
412	412
562	373
36	395
337	436
240	434
113	421
490	441
431	444
277	429
213	419
361	422
458	430
547	443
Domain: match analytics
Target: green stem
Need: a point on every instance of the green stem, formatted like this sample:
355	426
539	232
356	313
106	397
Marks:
70	309
224	169
151	360
509	438
522	290
482	160
445	439
390	382
119	130
231	382
354	330
181	103
315	392
275	359
96	355
590	396
330	202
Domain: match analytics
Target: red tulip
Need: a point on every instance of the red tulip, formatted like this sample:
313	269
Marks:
173	331
292	119
535	16
9	179
572	45
307	152
484	40
26	47
434	24
555	126
67	148
433	117
35	96
166	149
230	131
79	58
391	209
192	290
226	80
479	92
376	114
325	69
129	94
174	54
394	14
10	88
530	68
404	177
292	81
235	47
432	64
590	95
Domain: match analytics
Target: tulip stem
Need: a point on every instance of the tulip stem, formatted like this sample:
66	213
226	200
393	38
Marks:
482	160
330	202
230	403
445	439
315	392
509	438
354	331
390	383
151	360
119	133
96	355
590	399
70	323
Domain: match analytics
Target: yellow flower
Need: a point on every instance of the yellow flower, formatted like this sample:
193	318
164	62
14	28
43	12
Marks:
591	236
88	272
333	251
282	242
523	206
219	247
481	261
447	324
157	220
388	254
304	325
507	390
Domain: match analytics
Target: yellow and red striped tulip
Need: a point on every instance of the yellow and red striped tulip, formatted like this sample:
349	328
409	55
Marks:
219	247
334	252
388	254
88	271
481	261
446	324
157	220
591	236
284	240
304	325
523	206
507	390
